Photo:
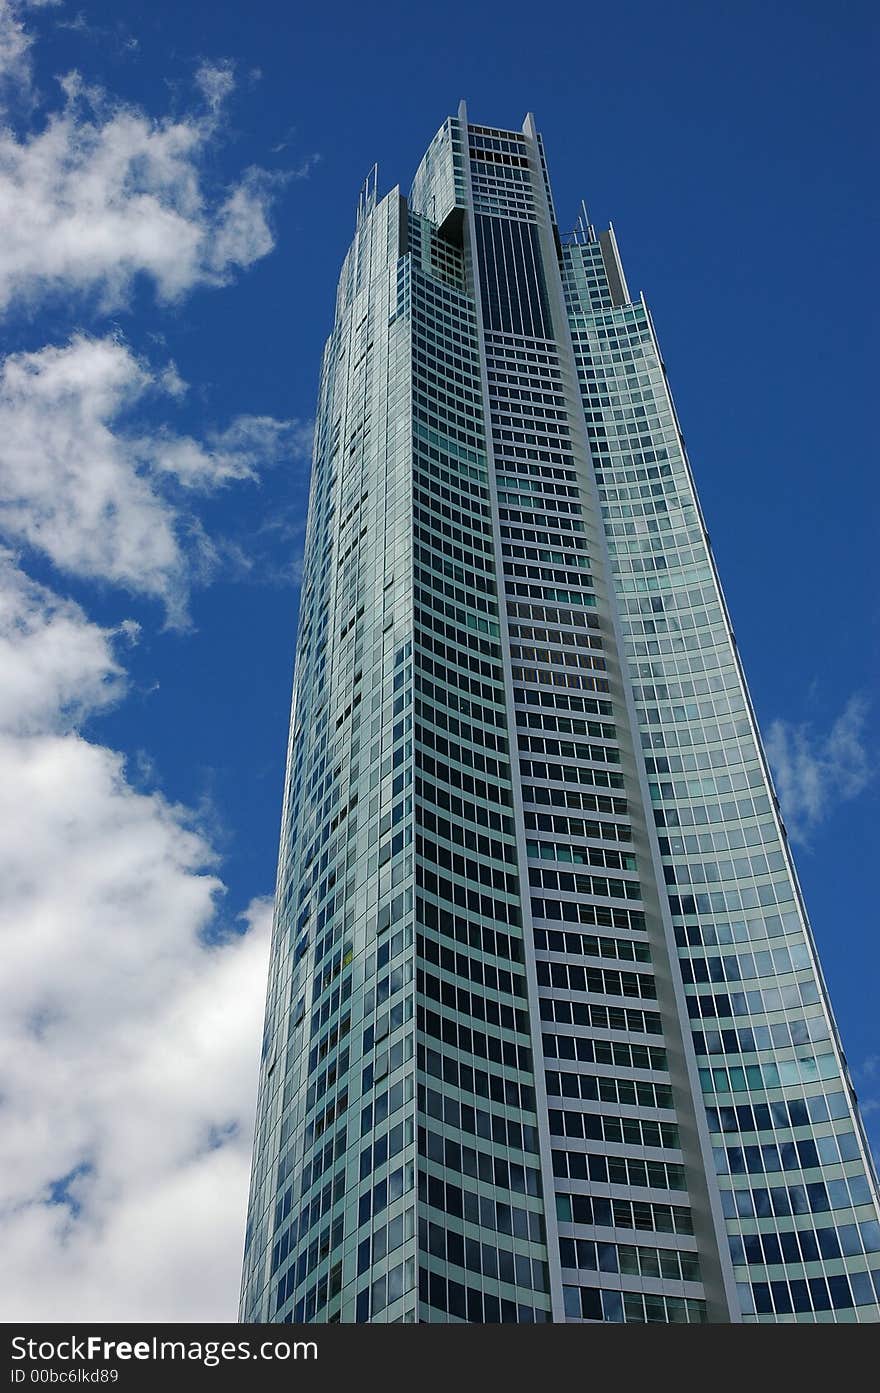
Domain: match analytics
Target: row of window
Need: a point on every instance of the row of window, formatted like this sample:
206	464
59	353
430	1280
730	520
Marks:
712	1005
628	1092
473	1004
574	798
788	1112
547	573
487	941
817	1197
589	1303
788	1155
600	1017
503	1131
768	926
805	1245
457	1074
483	1259
622	1055
598	1212
746	967
552	594
571	680
462	1037
581	855
491	1169
759	1077
462	809
577	827
573	618
783	1035
533	476
841	1293
474	969
619	1170
464	866
590	946
549	531
603	981
561	657
470	1304
463	730
453	892
633	1131
602	916
586	1254
493	1215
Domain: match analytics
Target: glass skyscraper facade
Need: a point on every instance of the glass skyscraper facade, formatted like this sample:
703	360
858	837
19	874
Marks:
546	1036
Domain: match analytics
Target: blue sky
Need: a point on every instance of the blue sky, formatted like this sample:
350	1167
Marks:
208	156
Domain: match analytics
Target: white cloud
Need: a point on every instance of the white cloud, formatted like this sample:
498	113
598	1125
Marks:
172	382
56	665
15	43
130	1005
814	772
216	82
103	193
241	233
84	484
69	485
128	1042
238	452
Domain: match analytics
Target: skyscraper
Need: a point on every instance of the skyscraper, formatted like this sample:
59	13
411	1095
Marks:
546	1036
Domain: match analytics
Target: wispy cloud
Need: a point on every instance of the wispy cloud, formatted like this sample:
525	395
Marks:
83	480
104	193
15	46
129	1010
216	82
238	452
116	38
57	667
131	998
815	772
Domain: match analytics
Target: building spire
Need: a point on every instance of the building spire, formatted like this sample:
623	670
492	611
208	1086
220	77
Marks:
368	195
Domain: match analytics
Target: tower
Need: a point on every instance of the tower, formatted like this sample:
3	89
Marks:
546	1035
